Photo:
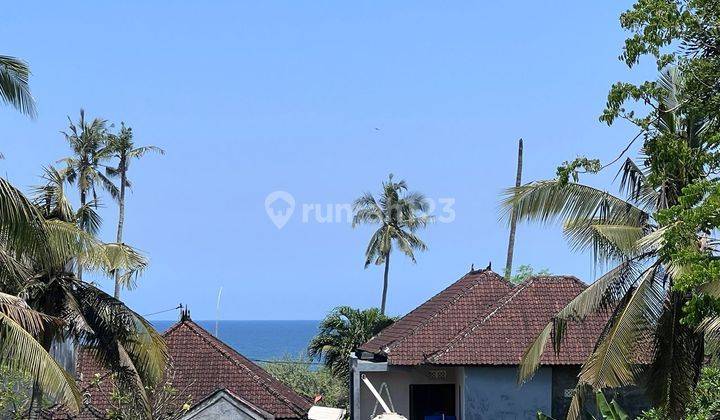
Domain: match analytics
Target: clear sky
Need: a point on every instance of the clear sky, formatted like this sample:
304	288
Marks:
323	100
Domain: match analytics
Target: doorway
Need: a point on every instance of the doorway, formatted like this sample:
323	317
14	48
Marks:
432	402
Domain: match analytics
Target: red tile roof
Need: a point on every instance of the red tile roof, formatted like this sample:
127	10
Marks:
431	325
500	335
203	364
483	320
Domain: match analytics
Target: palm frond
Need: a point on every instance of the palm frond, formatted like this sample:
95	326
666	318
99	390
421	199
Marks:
551	201
608	242
613	363
125	259
603	294
633	182
143	150
15	85
19	350
20	221
677	357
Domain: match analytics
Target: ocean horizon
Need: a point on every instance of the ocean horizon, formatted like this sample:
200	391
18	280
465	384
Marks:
259	340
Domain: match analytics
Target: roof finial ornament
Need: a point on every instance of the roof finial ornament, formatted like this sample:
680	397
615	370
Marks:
184	314
489	267
472	267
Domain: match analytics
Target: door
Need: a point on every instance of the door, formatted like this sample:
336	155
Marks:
432	402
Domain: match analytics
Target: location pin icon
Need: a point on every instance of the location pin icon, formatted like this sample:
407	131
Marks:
279	206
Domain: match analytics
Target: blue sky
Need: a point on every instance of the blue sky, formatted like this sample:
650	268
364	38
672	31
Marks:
322	100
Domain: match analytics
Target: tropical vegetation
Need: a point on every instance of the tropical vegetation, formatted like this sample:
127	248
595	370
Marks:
399	214
661	294
342	331
15	86
44	246
123	148
525	271
303	377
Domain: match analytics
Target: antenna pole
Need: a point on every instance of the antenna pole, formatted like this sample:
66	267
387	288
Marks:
217	312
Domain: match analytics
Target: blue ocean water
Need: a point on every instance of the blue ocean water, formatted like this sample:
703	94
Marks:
260	340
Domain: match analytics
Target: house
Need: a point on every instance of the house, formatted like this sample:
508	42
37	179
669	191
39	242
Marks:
220	382
457	354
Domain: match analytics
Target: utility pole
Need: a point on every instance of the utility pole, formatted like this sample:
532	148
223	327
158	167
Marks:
513	216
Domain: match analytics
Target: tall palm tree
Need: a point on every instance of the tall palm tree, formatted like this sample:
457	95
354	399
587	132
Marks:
42	301
88	141
123	148
22	235
399	214
119	338
14	86
343	331
638	292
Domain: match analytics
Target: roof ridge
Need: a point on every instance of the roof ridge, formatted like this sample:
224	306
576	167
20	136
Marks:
477	322
443	308
227	351
172	328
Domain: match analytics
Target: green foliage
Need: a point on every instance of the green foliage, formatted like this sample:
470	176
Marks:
341	332
165	401
611	410
705	401
298	374
14	85
571	170
525	271
15	390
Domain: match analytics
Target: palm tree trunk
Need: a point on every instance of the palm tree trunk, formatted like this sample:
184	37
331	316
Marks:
514	217
83	200
385	283
121	222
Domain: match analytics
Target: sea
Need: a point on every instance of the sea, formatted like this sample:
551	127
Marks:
260	340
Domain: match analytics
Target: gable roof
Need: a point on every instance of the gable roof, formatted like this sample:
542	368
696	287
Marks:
202	365
501	334
483	320
431	325
221	400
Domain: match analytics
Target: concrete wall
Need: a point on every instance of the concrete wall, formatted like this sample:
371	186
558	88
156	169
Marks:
493	393
632	399
398	380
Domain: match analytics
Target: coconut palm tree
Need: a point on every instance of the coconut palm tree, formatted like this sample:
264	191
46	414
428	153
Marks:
123	148
341	332
41	301
22	234
119	338
14	86
399	214
88	141
637	292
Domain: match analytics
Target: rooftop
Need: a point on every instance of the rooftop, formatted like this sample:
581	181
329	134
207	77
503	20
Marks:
481	319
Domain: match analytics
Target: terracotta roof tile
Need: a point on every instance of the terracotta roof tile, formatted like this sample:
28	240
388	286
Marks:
483	320
431	325
203	364
500	335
